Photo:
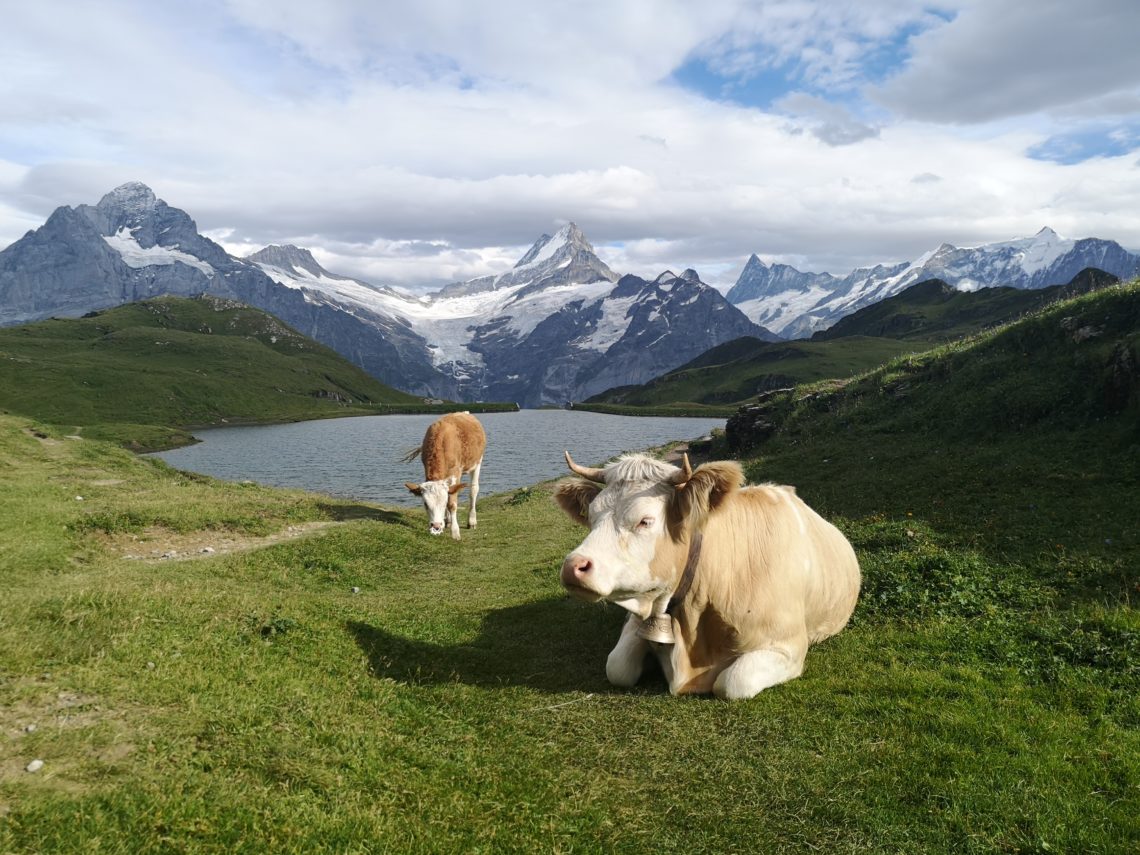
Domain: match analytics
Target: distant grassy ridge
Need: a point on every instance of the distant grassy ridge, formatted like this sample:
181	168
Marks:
921	317
933	311
1065	367
731	373
681	409
143	373
371	688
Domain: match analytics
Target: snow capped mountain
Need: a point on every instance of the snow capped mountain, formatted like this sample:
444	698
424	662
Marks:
295	267
795	304
556	327
775	296
552	329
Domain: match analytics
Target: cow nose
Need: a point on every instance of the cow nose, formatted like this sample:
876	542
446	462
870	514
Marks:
575	568
435	529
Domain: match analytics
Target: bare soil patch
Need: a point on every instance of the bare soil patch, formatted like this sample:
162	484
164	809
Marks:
159	544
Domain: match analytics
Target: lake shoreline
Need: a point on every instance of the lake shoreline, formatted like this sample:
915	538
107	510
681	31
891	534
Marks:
362	458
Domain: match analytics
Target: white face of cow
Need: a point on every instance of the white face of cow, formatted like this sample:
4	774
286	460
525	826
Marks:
437	497
627	520
613	562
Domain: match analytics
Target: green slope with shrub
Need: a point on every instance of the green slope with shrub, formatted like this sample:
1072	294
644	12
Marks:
331	679
138	372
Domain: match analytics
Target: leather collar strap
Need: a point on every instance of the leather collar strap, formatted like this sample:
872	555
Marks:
687	574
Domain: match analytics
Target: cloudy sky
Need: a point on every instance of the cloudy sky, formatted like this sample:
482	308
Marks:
416	144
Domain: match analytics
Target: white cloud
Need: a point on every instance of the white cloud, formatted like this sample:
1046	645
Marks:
422	143
1018	57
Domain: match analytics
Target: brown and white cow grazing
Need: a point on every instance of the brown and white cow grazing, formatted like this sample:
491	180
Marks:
453	445
727	584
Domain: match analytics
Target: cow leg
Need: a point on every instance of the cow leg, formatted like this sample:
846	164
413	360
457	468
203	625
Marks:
472	520
626	661
756	670
452	516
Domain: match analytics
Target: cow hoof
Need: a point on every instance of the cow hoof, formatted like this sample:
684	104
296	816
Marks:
657	628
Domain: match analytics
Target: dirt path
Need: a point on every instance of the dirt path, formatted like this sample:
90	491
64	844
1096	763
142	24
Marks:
159	544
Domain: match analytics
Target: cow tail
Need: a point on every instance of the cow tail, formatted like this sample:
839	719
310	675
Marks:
412	454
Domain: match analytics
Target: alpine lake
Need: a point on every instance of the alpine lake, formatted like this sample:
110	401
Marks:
362	457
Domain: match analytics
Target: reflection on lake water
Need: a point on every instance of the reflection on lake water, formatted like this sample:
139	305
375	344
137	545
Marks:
360	457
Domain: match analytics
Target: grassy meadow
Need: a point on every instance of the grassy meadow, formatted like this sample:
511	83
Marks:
144	373
211	667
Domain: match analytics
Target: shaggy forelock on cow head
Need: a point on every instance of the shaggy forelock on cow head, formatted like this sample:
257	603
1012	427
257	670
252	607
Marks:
638	467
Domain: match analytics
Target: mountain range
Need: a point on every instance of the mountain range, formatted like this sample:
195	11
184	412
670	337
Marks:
917	318
795	304
559	326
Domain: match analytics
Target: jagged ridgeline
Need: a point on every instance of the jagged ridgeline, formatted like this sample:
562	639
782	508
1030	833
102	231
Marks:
556	327
178	361
922	316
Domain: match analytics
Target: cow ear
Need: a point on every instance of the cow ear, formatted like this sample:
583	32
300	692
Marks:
710	485
574	496
413	488
455	488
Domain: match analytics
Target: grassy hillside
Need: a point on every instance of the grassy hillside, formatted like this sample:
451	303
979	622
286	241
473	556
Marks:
934	311
332	679
741	369
135	372
926	314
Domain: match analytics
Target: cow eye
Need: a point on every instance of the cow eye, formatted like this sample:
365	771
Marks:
646	522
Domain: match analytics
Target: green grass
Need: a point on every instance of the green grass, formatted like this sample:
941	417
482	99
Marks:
986	697
142	373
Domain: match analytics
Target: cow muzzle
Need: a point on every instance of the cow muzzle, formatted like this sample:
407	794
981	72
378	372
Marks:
435	528
577	576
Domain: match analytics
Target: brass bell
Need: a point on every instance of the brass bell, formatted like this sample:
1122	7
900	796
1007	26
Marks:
657	628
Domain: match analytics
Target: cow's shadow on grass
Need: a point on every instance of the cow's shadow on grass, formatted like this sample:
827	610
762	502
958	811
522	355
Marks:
345	513
551	645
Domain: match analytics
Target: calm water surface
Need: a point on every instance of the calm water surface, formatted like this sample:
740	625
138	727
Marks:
360	458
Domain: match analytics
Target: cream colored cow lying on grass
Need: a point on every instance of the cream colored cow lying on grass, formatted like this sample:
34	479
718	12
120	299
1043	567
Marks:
727	585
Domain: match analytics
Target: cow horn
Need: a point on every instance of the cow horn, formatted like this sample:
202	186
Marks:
682	475
590	474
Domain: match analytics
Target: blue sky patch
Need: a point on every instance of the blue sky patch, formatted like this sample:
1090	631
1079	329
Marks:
760	89
1084	144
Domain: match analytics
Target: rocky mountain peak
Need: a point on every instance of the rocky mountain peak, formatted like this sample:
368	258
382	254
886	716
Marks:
549	251
564	258
287	257
134	207
134	197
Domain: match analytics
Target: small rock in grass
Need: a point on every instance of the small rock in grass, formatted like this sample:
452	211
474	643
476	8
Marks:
34	766
79	498
207	550
30	728
355	590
